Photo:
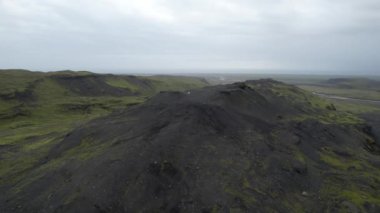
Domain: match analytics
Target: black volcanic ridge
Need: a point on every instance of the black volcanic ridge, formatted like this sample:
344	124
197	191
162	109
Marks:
257	146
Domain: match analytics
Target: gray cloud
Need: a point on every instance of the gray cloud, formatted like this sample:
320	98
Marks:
342	36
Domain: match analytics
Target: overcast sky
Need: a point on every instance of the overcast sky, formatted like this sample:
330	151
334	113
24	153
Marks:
309	36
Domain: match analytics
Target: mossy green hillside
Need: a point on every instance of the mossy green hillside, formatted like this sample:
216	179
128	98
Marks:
314	107
29	127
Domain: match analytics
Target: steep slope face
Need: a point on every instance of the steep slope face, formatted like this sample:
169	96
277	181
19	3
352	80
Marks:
259	146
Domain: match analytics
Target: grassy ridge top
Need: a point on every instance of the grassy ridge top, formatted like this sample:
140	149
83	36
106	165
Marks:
24	93
19	80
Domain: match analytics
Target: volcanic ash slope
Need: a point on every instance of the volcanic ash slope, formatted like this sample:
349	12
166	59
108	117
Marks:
257	146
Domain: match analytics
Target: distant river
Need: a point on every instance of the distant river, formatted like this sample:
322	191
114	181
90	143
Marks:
346	98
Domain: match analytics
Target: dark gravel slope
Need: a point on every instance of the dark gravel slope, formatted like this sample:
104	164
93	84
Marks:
231	148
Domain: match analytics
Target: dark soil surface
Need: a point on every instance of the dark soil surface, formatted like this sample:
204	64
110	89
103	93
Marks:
373	119
225	148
